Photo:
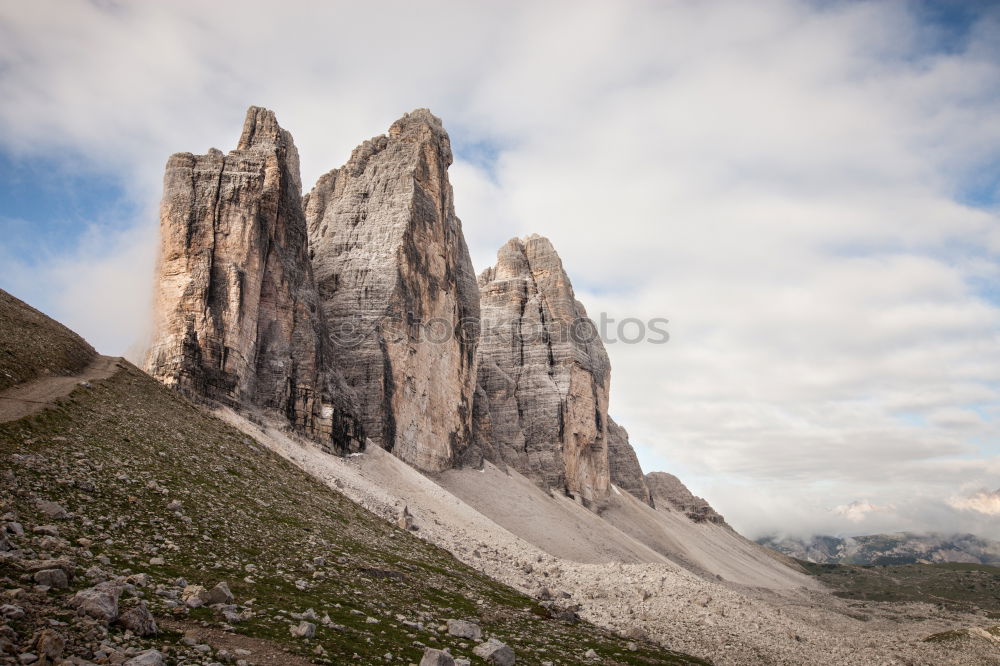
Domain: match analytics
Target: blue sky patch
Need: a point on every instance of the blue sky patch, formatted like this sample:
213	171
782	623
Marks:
47	206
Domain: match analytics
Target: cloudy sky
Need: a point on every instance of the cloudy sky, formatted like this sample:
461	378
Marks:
808	191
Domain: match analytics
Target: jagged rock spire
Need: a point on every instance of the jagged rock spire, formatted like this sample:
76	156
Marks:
237	313
398	290
544	371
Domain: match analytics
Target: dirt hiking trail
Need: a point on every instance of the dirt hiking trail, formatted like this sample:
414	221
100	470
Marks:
33	396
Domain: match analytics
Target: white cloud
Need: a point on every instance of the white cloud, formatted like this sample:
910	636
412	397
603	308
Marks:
783	181
984	502
859	510
102	289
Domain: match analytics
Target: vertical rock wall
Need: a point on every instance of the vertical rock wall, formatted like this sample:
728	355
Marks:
237	311
398	291
544	371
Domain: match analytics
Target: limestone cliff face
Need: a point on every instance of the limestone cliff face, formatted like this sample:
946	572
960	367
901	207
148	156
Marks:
544	372
398	291
669	492
237	311
623	464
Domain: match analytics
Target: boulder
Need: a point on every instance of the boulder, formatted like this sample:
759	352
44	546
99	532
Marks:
147	658
193	596
99	602
52	509
495	652
434	657
64	564
405	520
303	629
464	629
55	578
219	594
49	646
139	620
11	612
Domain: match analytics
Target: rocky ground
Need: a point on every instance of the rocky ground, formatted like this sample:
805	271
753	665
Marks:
136	528
722	622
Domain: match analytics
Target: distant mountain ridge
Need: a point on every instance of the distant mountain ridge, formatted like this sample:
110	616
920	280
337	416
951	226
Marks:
886	549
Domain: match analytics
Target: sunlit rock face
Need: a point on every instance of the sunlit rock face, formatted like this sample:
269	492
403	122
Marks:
237	309
544	372
398	291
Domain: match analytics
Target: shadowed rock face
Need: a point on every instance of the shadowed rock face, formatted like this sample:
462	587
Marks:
544	371
237	314
623	464
398	291
668	492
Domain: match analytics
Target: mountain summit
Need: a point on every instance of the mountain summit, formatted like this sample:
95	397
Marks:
398	291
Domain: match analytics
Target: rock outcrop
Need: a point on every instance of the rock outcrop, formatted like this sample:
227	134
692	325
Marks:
544	372
623	464
398	291
237	310
668	492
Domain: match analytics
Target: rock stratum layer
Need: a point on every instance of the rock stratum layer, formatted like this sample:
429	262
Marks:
398	291
237	310
544	371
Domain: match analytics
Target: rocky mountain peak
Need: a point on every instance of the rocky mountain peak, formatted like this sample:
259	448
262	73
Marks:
262	133
423	127
398	290
237	313
261	130
544	371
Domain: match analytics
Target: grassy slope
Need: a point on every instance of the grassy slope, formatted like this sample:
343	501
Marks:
965	587
143	446
32	344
